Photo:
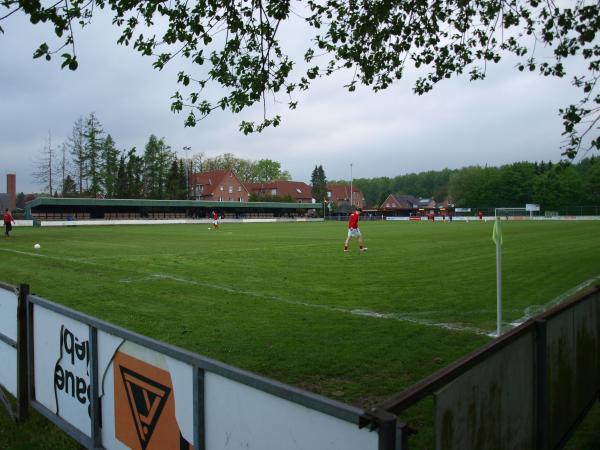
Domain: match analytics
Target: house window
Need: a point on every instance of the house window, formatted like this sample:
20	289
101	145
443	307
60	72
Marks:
274	191
230	189
328	194
387	205
239	189
241	199
220	199
221	188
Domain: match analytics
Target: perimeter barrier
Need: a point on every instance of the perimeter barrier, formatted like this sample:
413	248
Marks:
528	389
110	388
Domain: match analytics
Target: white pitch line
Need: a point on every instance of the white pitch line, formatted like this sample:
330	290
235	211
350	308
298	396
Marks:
529	311
42	255
354	312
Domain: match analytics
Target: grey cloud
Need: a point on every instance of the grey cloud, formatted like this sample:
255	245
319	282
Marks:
508	117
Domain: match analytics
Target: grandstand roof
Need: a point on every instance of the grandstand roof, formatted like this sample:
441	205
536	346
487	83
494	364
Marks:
53	201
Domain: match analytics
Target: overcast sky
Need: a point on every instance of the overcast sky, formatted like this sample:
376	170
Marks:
508	117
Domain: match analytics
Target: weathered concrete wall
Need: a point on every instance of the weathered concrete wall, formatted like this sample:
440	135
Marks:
491	405
573	368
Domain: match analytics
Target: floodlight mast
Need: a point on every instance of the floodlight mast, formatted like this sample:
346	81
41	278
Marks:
351	200
186	149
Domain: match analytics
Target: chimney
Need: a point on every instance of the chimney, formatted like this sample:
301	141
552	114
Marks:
11	190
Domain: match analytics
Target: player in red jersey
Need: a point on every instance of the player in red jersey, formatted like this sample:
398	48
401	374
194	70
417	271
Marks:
480	215
8	221
215	220
353	231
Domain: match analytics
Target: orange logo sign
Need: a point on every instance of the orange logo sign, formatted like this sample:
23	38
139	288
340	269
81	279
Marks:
144	407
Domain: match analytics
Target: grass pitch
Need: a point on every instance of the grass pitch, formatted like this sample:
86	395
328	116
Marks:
285	301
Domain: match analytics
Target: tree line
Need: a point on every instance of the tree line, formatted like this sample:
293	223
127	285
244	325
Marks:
89	164
553	185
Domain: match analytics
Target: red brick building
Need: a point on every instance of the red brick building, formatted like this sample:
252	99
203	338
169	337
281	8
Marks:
218	185
299	192
408	204
9	199
397	202
340	194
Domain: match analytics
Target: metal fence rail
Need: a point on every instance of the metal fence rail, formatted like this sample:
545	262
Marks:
67	359
529	388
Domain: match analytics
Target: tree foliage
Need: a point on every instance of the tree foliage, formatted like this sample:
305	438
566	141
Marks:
246	170
318	182
98	168
234	45
513	185
43	171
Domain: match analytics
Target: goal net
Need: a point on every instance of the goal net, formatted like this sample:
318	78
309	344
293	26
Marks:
511	212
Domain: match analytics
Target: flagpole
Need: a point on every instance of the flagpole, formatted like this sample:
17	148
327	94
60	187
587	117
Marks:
498	240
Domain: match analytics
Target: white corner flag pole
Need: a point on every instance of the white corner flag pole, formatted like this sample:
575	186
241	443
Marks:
497	237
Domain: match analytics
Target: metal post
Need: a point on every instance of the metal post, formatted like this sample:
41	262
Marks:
186	149
385	424
95	415
199	428
541	410
499	287
30	352
403	431
22	372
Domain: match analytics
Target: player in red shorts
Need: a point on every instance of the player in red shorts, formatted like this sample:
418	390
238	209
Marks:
353	231
8	221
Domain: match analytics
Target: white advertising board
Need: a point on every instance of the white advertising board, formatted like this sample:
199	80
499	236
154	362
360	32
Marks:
8	368
239	416
62	367
8	313
147	397
8	327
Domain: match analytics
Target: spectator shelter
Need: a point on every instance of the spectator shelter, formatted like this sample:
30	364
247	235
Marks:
50	208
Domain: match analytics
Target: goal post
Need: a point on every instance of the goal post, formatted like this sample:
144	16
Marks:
529	210
510	212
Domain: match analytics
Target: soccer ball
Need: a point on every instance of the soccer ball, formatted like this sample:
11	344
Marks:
209	228
37	246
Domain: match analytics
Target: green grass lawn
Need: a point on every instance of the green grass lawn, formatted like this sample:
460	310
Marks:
283	300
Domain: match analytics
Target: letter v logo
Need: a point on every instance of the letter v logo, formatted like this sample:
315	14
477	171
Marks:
146	399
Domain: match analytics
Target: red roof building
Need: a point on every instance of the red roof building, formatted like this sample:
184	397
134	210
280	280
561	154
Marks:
218	185
300	192
399	201
340	193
